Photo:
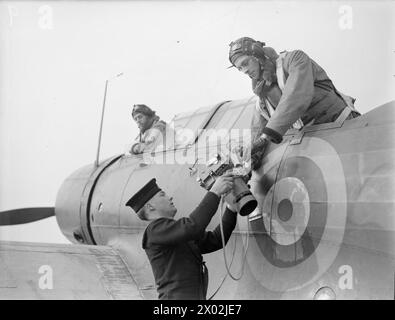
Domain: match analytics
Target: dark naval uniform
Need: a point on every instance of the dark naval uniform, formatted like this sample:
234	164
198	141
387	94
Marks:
175	248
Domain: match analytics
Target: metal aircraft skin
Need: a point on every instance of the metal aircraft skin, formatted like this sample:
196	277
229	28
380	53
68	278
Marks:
324	227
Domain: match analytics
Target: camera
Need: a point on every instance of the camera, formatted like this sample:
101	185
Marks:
241	195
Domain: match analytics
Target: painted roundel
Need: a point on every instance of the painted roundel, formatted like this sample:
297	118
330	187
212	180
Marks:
302	197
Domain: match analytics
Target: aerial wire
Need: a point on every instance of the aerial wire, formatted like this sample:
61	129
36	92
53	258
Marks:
228	265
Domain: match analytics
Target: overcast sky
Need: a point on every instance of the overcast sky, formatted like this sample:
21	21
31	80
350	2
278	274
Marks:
56	56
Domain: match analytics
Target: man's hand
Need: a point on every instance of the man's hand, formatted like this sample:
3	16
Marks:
257	151
223	184
230	205
243	152
252	152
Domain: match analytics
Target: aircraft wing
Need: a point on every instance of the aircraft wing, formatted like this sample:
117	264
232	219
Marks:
57	271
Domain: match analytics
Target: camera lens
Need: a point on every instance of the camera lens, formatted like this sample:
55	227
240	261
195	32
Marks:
249	206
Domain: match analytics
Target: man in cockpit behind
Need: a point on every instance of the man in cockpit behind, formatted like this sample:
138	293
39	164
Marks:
152	130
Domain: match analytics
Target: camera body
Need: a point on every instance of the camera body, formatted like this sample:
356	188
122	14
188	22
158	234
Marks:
241	195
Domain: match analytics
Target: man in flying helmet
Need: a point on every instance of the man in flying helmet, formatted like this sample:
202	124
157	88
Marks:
292	90
152	129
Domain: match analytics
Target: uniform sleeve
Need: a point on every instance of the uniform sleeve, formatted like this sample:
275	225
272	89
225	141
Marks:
170	232
296	97
211	241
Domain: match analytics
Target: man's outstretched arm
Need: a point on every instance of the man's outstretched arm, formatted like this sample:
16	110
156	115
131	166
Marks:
212	240
165	231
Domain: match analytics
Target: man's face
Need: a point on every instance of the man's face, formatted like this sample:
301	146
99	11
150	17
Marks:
142	121
248	65
163	205
251	66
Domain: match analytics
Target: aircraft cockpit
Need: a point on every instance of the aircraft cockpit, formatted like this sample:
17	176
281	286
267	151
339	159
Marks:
206	125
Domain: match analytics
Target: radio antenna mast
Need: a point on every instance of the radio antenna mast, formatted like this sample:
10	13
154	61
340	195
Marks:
102	118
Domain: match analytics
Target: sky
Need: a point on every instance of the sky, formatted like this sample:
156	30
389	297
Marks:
55	57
